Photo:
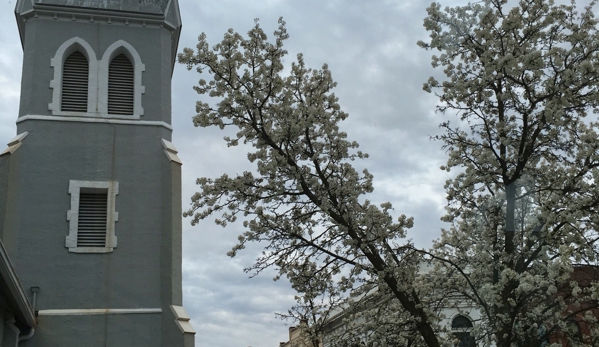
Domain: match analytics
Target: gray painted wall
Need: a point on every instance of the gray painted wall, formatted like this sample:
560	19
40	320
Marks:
56	152
143	271
4	161
106	330
10	228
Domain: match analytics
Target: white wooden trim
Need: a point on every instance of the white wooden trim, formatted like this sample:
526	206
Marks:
14	144
95	120
98	311
182	320
18	139
171	151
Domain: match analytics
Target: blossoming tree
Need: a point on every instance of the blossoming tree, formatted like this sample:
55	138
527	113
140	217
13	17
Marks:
521	80
304	200
523	207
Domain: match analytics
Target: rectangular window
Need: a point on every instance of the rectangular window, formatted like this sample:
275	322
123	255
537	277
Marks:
92	217
93	211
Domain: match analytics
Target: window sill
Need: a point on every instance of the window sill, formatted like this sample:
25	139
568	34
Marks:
90	249
95	115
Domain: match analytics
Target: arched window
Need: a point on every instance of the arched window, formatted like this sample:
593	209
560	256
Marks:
573	334
75	77
121	86
461	327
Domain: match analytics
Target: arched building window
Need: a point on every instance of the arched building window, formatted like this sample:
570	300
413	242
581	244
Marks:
573	334
74	86
121	86
75	79
461	328
107	88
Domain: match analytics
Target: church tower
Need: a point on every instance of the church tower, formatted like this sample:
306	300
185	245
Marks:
90	188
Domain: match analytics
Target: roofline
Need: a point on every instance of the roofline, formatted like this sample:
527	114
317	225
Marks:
16	295
98	11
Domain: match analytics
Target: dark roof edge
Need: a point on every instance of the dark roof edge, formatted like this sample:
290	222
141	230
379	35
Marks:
15	294
99	11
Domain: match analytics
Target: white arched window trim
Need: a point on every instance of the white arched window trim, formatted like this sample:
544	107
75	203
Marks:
63	52
120	47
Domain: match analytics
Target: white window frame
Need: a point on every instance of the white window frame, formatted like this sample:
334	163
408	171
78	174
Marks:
63	52
120	47
73	215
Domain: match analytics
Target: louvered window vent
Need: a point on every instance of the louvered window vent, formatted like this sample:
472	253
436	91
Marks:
93	212
120	86
75	75
92	216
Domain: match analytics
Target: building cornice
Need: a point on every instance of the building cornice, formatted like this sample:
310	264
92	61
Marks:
98	311
95	120
94	15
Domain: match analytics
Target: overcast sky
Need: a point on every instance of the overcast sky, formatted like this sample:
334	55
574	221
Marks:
370	47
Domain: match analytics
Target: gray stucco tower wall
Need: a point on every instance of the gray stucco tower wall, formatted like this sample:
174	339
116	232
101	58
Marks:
122	288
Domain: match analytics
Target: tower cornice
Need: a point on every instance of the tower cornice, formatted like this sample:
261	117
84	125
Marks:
163	13
106	16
